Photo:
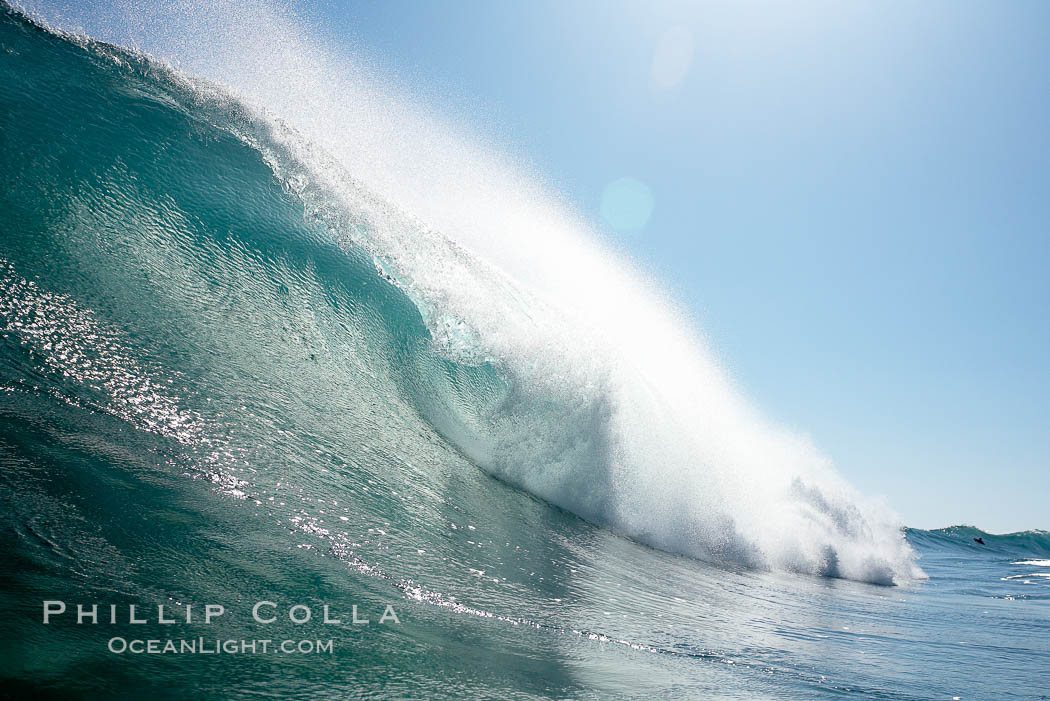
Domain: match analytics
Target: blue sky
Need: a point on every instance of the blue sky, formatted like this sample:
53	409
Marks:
853	198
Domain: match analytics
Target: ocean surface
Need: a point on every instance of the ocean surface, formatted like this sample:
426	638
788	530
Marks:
269	333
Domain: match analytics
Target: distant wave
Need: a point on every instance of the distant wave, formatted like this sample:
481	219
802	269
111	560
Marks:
1032	543
493	313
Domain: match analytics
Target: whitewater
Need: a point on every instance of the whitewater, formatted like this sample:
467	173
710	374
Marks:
273	329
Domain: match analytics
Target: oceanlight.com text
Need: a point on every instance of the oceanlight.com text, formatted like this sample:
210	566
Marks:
215	646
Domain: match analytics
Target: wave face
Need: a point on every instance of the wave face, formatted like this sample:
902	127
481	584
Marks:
300	253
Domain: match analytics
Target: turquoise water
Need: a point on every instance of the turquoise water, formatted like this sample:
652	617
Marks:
221	382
